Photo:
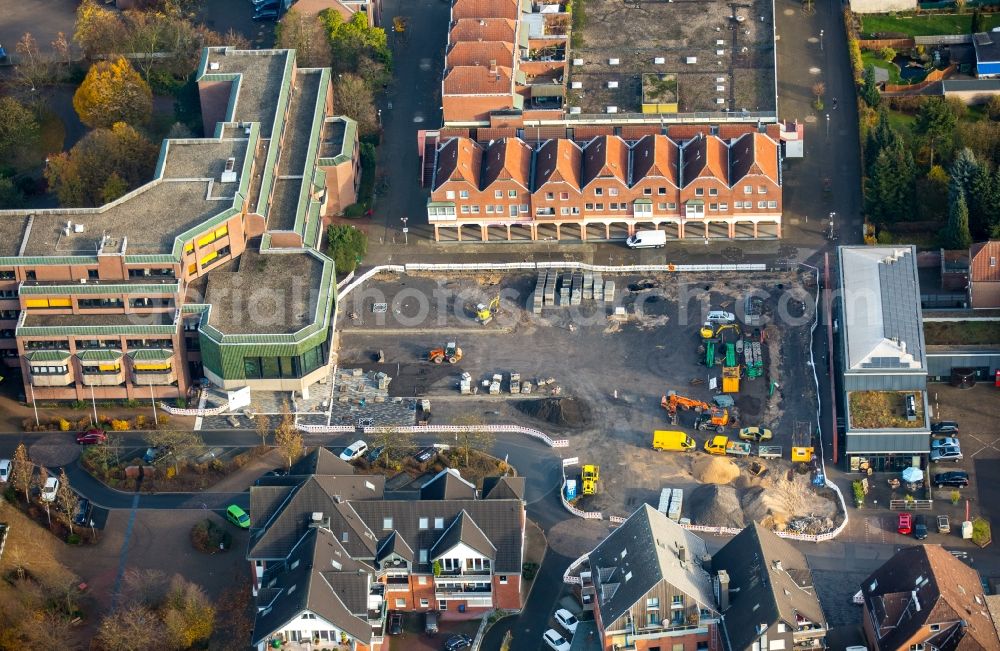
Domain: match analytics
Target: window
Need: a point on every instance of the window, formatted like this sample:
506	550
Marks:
588	206
524	207
489	208
499	209
699	192
92	274
421	580
761	189
643	208
613	206
387	524
652	618
713	192
549	196
772	204
661	206
714	207
600	206
400	603
30	275
671	206
647	192
916	647
423	555
761	205
512	194
424	603
781	627
442	604
475	210
599	192
498	194
576	211
653	603
512	208
49	370
449	194
344	537
422	523
613	192
564	196
694	210
677	601
463	194
935	628
465	210
439	523
7	274
993	261
747	189
564	210
723	206
661	191
503	579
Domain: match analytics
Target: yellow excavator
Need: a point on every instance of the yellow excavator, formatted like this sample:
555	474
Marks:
486	311
711	331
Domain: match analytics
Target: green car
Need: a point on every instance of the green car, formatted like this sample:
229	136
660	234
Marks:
238	516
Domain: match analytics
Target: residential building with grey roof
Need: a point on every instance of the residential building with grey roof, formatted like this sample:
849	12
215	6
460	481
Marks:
444	547
210	270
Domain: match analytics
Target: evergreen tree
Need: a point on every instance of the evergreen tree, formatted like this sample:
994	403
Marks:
936	122
984	202
869	90
882	136
963	172
956	234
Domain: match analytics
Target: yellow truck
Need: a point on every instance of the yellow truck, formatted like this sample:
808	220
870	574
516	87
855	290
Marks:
672	440
722	445
590	475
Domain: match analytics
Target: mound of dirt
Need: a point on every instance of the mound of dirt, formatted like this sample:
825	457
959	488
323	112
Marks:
714	470
716	506
557	411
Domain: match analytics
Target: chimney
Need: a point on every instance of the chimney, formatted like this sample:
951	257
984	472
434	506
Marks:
723	579
682	553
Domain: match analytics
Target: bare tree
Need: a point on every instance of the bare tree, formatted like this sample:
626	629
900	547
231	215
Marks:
262	423
131	628
389	441
353	98
40	478
145	587
474	438
22	471
32	68
287	437
177	443
67	499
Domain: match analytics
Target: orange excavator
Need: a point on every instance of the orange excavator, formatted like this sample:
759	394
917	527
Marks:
709	416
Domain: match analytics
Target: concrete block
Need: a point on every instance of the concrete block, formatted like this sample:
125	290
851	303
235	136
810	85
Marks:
588	285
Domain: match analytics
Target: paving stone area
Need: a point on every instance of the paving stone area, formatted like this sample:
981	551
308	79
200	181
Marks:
396	411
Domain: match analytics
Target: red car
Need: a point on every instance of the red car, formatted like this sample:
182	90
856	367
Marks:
91	436
905	524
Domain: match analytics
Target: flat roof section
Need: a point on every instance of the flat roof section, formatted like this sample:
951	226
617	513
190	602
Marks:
284	199
682	38
332	144
263	73
41	320
299	120
150	218
12	234
203	158
271	293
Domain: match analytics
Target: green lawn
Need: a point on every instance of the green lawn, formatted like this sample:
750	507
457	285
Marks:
923	25
902	122
972	333
872	58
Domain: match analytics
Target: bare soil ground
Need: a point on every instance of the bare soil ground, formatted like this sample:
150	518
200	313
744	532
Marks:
615	372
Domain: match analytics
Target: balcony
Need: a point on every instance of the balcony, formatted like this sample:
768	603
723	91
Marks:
397	583
52	379
463	592
466	572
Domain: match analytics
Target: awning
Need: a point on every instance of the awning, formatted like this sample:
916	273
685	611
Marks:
440	204
547	90
694	202
643	202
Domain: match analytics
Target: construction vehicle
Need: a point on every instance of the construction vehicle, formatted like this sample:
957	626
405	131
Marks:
591	474
722	445
672	440
450	352
802	445
486	312
708	415
714	331
730	379
399	24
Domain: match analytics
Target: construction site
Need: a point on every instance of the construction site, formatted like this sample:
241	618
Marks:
606	360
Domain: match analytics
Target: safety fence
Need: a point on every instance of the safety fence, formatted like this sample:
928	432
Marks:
326	429
586	515
204	411
572	573
423	429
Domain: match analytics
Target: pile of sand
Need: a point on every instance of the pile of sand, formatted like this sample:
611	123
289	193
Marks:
714	470
557	411
714	505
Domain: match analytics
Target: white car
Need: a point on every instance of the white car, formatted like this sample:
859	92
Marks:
354	450
566	620
721	316
556	641
4	471
50	489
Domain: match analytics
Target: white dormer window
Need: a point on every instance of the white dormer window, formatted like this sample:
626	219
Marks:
423	556
449	194
343	537
439	523
422	523
387	524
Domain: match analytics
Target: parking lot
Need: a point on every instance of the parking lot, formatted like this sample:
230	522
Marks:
607	375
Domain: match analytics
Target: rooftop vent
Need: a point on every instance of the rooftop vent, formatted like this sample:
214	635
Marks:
613	62
229	176
317	516
213	65
612	84
77	228
659	60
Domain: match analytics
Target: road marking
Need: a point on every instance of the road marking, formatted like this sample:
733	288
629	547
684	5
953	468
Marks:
123	555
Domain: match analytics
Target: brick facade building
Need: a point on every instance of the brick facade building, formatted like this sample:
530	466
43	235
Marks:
703	185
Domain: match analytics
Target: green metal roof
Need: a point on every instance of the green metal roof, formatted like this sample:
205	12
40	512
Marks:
95	288
151	355
694	202
99	355
347	150
47	355
440	204
643	201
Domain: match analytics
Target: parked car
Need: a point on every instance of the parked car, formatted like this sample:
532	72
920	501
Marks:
277	472
721	316
756	434
151	454
920	527
425	454
50	489
238	516
354	450
395	624
944	526
431	622
82	515
266	15
5	466
567	620
945	427
955	479
555	641
457	642
949	453
948	441
911	407
904	524
91	436
374	454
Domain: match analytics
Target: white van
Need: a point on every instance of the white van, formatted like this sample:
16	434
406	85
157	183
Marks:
721	316
647	240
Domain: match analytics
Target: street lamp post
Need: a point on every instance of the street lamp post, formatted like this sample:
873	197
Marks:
827	126
821	39
406	231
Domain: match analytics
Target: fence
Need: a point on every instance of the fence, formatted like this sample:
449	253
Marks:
423	429
907	505
876	44
571	574
197	411
943	39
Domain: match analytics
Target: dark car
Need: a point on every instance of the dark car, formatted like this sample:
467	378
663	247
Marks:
425	454
395	624
91	436
456	642
945	427
374	454
955	478
277	472
919	527
267	14
82	515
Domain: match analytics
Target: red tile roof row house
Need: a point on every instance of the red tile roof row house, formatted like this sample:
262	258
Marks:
704	186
